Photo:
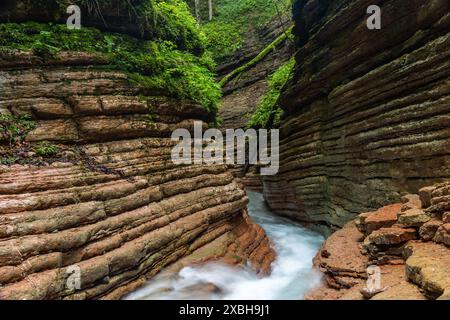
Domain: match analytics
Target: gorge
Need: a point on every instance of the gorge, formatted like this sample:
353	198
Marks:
87	180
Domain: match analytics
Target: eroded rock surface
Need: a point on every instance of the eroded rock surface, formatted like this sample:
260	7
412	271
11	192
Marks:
367	110
110	204
413	261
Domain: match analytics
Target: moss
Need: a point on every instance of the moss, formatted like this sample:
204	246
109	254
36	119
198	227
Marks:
154	65
268	112
155	19
271	47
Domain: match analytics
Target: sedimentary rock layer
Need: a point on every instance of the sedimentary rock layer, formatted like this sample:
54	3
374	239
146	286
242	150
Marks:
367	110
411	255
110	204
243	93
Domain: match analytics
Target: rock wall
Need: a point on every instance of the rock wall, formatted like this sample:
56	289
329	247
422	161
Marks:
406	246
110	203
367	110
243	93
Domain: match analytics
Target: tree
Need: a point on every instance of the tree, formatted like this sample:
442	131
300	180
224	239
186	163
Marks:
210	6
197	10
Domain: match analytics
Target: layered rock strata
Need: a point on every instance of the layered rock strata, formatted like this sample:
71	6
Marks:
407	241
243	93
110	204
367	110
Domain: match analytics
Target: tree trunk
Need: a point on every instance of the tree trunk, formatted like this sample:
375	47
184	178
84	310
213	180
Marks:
197	10
210	5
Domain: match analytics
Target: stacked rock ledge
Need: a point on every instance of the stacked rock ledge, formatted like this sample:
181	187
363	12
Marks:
110	202
408	241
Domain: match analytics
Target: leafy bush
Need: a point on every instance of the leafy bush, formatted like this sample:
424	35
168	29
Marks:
45	149
268	112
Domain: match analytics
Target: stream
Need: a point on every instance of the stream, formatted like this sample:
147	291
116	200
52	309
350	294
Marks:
291	277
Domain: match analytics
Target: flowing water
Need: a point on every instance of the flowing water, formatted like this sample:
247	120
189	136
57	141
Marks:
292	274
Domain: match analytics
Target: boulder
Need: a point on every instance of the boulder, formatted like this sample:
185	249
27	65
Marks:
392	236
443	234
340	257
428	266
428	230
411	201
413	218
446	217
382	218
425	195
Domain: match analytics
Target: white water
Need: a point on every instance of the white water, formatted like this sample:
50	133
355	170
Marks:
292	274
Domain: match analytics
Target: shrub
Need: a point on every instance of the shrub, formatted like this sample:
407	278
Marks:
45	149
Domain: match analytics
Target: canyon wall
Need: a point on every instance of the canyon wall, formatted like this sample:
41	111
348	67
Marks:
109	203
367	110
243	93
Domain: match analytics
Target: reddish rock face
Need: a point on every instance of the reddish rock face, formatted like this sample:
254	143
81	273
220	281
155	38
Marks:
341	259
392	236
382	218
408	269
110	202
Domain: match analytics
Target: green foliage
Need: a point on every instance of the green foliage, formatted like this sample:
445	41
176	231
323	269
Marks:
155	65
271	47
223	39
9	160
45	149
14	128
169	20
174	22
268	112
235	19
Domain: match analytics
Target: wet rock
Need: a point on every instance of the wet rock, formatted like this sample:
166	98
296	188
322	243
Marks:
340	258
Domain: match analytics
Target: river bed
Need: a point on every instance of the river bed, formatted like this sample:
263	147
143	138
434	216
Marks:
291	277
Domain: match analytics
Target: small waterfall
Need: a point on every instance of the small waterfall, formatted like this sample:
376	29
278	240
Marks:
292	273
